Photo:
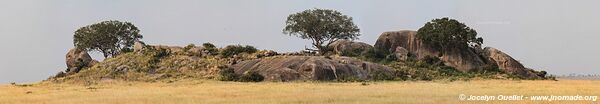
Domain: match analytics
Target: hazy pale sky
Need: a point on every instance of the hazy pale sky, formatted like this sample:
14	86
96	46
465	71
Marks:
559	36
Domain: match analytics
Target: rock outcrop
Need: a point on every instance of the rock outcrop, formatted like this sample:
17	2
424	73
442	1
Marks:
347	46
138	46
288	68
463	60
77	59
401	53
507	63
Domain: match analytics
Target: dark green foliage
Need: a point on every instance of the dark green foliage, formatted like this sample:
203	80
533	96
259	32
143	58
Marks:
348	79
321	26
251	77
390	58
428	68
353	53
373	55
426	62
377	56
445	33
432	60
126	50
188	47
208	45
157	54
107	37
210	48
490	68
544	75
227	74
231	50
551	77
162	52
381	75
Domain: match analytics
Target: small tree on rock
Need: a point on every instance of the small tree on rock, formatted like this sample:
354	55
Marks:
108	37
445	33
321	26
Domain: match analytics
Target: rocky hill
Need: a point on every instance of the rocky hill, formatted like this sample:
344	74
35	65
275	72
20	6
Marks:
465	60
397	55
146	63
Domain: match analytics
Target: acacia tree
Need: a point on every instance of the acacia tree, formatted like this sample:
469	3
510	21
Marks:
107	37
445	33
321	26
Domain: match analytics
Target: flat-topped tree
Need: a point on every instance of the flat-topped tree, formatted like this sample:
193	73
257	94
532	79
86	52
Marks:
444	34
108	37
321	26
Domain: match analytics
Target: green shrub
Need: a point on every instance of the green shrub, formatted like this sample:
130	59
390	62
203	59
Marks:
231	50
251	77
208	45
390	58
227	74
210	49
544	75
126	50
373	55
156	54
551	77
352	53
348	78
422	70
162	52
541	73
445	33
432	60
490	68
381	75
188	47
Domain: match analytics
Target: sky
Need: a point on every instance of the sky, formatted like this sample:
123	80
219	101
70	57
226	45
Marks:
558	36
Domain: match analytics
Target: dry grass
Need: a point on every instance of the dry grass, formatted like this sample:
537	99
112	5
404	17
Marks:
208	91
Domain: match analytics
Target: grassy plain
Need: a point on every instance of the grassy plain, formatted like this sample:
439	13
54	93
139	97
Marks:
209	91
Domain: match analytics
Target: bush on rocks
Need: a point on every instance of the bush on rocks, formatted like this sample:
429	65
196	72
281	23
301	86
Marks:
210	49
227	74
251	77
232	50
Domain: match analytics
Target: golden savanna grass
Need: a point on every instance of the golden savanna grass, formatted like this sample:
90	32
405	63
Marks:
208	91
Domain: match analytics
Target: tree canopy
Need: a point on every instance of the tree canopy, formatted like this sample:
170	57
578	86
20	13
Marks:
445	33
107	37
321	26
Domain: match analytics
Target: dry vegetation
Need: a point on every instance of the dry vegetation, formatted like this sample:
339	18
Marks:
210	91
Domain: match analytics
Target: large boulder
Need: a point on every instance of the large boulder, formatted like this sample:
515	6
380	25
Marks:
508	64
288	68
77	59
463	60
138	46
345	46
401	53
